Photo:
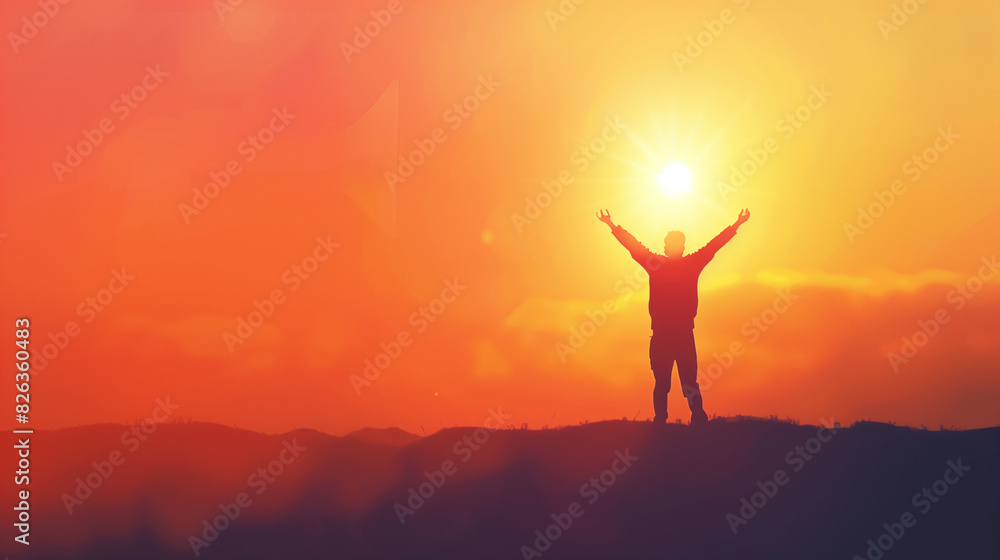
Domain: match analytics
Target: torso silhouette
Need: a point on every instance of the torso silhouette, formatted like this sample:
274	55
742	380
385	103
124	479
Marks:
673	281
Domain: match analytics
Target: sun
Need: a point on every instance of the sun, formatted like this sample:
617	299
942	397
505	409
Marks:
674	179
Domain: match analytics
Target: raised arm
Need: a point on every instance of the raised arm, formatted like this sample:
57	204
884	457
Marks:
638	251
708	251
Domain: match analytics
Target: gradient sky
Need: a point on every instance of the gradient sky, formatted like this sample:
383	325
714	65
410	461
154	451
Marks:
547	87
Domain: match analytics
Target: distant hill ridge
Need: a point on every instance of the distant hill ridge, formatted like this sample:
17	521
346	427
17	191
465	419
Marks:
735	488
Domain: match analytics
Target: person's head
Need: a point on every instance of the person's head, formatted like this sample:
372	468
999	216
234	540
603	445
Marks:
673	244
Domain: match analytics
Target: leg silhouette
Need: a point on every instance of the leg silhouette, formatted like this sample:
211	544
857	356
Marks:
687	370
668	347
661	361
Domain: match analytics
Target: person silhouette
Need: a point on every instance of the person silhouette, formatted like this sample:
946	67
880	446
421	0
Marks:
673	304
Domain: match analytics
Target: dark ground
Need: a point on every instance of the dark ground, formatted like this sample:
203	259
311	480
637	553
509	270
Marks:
336	499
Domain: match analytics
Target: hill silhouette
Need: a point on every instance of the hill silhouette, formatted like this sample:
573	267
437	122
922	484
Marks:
386	436
614	489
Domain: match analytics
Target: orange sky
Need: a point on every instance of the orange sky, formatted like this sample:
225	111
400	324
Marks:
503	98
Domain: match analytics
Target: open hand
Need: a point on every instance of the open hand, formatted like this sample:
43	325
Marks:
605	217
744	216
